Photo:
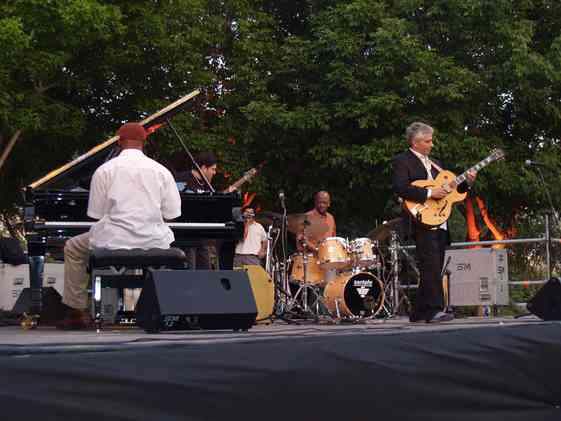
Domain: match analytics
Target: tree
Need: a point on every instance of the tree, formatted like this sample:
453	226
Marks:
39	42
332	100
320	90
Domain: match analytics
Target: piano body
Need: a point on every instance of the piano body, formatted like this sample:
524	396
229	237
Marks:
56	208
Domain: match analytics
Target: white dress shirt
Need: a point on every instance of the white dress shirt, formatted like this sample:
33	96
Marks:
131	195
425	160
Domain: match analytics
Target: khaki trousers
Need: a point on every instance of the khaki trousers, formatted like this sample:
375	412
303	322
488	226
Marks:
76	279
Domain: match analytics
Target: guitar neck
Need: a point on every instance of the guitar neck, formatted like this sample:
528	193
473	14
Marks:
246	177
238	183
480	165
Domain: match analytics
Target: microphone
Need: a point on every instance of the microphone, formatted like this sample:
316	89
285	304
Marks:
530	163
281	198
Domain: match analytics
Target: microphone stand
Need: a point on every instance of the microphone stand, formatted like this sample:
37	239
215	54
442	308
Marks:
547	226
548	196
446	291
283	294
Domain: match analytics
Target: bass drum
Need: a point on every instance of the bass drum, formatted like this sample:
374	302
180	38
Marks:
354	295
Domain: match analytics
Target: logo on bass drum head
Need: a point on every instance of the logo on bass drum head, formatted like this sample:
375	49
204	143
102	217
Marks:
362	286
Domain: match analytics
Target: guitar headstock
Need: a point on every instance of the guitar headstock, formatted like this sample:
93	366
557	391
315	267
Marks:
252	172
497	154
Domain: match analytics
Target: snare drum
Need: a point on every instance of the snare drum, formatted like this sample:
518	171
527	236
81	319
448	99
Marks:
362	251
354	295
314	274
333	254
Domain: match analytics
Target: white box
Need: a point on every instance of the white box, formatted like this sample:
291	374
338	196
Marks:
13	279
478	277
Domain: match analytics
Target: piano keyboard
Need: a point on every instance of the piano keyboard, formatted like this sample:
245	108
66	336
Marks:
172	225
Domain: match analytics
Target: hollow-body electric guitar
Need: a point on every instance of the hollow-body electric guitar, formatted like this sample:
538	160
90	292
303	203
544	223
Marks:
434	212
248	175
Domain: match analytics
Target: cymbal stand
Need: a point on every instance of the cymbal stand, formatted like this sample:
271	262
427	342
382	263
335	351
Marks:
303	288
393	287
306	289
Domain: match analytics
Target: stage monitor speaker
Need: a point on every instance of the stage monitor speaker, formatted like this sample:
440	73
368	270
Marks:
263	291
52	308
196	299
546	304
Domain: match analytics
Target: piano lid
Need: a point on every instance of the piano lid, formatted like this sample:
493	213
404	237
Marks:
96	156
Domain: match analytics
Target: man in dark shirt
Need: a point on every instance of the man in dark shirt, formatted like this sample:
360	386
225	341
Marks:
194	180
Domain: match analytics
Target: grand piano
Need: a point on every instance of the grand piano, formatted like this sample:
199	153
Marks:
56	207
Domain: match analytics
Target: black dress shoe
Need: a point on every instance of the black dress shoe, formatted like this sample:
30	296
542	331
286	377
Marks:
441	317
416	319
75	320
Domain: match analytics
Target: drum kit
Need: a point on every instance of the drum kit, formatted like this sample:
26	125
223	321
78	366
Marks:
340	276
339	279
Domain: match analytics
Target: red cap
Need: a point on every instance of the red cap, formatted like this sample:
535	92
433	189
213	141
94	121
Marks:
132	131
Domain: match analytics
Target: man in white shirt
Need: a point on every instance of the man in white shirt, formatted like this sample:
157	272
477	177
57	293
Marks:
253	247
131	196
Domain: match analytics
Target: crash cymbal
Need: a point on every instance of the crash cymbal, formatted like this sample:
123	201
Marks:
382	232
298	221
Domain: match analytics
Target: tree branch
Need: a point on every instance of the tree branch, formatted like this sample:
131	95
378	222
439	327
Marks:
9	147
41	89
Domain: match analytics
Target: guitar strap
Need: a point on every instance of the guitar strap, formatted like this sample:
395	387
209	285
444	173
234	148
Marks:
435	166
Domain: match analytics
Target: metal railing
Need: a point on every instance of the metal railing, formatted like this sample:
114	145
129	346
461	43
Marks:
546	239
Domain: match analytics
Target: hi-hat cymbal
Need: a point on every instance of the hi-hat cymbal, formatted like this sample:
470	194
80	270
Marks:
297	222
382	232
267	218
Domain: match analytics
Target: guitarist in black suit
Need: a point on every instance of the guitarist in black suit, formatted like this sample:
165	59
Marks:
411	165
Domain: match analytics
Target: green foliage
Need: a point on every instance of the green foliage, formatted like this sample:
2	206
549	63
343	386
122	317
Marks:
320	90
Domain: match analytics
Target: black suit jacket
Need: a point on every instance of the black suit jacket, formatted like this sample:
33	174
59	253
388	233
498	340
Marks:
406	168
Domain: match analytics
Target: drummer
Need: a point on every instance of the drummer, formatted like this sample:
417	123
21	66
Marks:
309	239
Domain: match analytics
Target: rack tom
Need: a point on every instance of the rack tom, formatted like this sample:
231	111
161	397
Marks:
362	252
333	253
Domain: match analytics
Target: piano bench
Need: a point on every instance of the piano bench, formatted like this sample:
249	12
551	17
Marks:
126	268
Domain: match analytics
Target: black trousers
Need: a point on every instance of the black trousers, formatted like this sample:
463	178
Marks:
431	246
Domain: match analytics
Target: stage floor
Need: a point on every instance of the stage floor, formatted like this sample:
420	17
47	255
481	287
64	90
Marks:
45	339
469	369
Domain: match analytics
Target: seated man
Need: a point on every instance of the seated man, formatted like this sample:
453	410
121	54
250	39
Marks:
199	254
253	247
130	195
194	180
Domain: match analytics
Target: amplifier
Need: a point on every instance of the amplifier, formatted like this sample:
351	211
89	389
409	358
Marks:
13	279
478	277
